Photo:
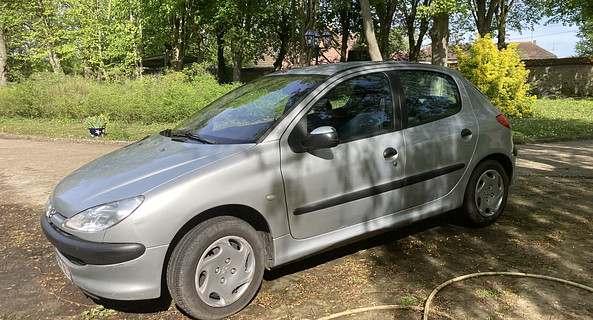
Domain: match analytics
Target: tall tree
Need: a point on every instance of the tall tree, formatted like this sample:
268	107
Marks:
181	22
439	35
307	10
343	18
416	24
3	59
4	16
369	30
440	12
504	8
584	46
244	16
385	12
47	29
483	13
278	21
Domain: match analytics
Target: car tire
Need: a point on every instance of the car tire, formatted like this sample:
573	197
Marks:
217	268
486	193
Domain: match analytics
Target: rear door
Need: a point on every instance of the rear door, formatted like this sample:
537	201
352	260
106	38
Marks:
440	133
357	181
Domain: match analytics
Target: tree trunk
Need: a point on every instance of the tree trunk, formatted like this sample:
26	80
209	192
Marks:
483	15
3	60
54	61
413	29
283	31
385	12
220	54
501	18
138	47
308	22
281	53
439	35
369	30
178	48
344	21
295	42
49	43
237	62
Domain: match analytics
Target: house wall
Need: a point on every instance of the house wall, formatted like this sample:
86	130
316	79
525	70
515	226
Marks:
571	77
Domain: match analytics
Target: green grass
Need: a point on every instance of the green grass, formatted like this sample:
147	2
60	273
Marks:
554	120
77	130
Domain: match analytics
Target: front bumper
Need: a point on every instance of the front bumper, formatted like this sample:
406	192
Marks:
117	271
89	252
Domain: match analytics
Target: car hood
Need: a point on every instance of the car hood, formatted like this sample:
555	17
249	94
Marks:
134	170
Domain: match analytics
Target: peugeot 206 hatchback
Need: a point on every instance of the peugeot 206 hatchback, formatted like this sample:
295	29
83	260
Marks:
281	168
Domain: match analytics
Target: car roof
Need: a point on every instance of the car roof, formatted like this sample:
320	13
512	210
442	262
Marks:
335	68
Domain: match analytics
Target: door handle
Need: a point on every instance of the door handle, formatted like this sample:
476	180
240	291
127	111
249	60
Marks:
466	134
390	154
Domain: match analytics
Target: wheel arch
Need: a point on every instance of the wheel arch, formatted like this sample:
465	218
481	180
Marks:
504	161
242	212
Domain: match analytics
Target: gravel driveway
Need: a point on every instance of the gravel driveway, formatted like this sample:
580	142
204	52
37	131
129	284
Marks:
546	229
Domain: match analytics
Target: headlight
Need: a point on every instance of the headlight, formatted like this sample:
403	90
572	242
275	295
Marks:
103	216
49	209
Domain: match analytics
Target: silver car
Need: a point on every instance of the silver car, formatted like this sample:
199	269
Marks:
279	169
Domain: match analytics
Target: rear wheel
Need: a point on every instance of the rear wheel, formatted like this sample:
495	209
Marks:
217	268
486	194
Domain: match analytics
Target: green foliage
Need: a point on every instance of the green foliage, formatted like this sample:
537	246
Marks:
584	46
500	75
98	312
96	122
153	99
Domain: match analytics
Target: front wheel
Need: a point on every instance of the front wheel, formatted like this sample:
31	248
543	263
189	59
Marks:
217	268
486	193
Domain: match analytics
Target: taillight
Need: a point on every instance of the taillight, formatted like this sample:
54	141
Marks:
503	120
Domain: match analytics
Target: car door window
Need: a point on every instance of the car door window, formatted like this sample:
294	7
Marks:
429	96
359	107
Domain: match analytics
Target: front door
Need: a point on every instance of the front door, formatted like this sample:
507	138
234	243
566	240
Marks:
360	179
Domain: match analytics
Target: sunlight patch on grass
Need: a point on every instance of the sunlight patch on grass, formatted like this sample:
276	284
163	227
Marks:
558	119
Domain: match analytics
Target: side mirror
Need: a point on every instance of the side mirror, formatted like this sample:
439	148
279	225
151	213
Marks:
321	138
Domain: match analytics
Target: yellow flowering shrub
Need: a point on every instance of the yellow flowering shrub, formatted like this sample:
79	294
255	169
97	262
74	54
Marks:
499	74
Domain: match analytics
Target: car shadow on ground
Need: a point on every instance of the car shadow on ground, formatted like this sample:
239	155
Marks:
378	239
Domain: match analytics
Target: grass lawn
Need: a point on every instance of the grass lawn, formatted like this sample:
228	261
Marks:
77	130
558	119
561	119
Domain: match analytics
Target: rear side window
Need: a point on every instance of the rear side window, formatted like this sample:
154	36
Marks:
429	96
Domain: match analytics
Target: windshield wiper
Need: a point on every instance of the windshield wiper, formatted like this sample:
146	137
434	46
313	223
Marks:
184	136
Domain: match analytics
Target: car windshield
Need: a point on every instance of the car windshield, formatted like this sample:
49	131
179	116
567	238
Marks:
245	114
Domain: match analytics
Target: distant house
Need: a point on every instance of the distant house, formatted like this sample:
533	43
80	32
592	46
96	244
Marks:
526	50
531	51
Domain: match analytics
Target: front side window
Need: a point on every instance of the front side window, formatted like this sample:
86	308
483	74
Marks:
245	114
429	96
356	108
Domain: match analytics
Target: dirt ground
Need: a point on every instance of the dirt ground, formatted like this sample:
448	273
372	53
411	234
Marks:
547	229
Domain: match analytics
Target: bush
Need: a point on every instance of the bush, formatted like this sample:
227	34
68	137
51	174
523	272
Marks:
165	98
500	75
